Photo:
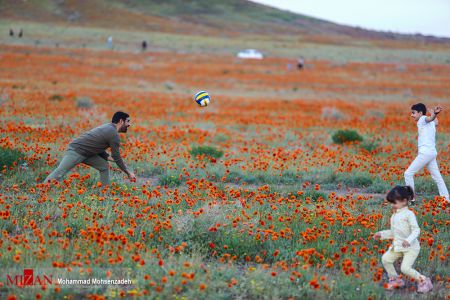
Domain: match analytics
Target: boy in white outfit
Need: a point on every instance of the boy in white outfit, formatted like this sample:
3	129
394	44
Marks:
404	231
427	148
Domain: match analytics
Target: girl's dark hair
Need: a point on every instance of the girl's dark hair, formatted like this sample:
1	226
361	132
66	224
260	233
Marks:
120	115
420	107
399	193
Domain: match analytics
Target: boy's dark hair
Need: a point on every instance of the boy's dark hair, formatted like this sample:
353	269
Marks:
420	107
399	193
120	115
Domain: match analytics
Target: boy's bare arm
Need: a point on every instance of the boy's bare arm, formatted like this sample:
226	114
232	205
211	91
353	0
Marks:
434	114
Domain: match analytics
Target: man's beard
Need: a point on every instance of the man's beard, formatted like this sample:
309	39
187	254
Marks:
123	128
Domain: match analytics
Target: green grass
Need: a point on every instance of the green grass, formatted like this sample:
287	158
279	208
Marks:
56	97
232	12
370	146
254	281
170	180
9	157
207	151
356	179
346	136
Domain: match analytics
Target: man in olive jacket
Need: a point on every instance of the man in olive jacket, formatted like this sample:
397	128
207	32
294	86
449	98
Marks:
89	148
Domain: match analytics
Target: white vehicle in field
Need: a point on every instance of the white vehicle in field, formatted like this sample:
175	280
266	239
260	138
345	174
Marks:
250	54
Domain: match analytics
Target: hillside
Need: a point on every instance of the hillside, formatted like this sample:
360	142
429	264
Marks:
216	17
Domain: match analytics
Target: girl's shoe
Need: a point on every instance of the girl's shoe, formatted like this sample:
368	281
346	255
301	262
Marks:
395	284
425	286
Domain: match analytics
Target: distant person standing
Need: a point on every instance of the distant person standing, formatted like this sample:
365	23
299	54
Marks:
11	32
109	42
144	45
20	33
300	63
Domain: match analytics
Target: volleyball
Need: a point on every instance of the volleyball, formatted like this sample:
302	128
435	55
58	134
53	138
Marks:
202	98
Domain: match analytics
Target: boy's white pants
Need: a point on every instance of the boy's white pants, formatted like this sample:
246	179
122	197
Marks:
428	160
409	257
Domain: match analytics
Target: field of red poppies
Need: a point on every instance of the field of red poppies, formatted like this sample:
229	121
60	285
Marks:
248	198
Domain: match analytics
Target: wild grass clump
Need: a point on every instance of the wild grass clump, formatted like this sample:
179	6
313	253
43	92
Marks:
56	97
346	136
315	195
356	179
10	156
426	185
169	180
370	146
207	151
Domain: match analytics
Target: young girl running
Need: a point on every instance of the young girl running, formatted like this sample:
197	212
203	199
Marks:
404	231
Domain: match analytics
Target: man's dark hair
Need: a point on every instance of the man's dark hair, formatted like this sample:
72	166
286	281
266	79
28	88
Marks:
120	115
399	193
420	107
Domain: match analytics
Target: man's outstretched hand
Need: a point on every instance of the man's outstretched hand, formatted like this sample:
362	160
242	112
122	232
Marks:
131	176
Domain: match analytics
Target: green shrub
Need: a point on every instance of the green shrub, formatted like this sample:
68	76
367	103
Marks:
9	156
206	151
346	136
56	98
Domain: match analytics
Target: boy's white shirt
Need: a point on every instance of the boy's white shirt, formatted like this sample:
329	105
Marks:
427	136
404	227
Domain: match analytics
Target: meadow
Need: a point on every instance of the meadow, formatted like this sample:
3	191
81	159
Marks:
248	198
